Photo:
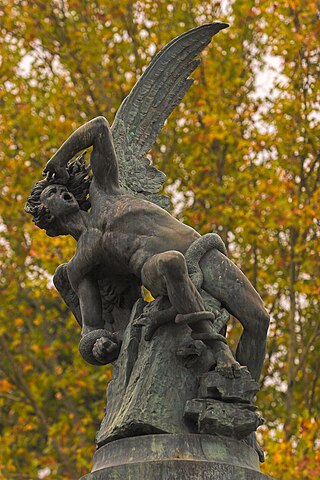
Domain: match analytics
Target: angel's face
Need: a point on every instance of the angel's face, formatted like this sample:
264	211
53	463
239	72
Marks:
59	201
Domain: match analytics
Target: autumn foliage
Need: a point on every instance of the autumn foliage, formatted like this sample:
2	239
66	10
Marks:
242	157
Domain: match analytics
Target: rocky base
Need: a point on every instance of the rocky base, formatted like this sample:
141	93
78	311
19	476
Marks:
165	386
176	457
235	420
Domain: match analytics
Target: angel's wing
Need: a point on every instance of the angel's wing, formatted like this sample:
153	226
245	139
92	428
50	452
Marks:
142	114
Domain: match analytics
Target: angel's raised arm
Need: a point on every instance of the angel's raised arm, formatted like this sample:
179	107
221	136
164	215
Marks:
103	158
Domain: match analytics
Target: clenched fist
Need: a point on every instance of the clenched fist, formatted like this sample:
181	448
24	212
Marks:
106	348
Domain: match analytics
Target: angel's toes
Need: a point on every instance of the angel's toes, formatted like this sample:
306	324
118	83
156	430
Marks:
228	367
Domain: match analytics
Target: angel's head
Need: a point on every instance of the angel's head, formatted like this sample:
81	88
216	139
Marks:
52	204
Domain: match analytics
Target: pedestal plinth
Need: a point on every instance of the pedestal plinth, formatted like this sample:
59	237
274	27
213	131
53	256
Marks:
176	457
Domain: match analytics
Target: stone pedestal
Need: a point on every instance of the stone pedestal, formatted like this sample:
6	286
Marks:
176	457
170	417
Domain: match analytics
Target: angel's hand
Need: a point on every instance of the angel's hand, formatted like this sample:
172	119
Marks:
100	347
55	172
106	349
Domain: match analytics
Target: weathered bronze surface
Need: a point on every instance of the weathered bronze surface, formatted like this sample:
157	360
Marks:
173	369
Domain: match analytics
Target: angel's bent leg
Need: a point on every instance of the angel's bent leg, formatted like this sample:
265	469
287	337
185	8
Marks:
166	274
224	281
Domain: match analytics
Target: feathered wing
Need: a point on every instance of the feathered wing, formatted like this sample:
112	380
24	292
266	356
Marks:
144	111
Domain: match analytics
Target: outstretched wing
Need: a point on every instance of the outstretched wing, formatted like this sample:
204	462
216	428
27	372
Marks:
142	114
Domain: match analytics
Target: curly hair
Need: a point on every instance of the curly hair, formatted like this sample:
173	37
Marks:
78	184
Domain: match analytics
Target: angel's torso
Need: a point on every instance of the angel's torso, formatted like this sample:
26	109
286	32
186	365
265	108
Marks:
128	230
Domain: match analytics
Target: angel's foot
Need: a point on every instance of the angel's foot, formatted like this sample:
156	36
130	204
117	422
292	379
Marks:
153	320
226	365
198	318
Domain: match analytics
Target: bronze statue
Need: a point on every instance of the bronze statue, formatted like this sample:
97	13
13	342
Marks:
126	238
173	371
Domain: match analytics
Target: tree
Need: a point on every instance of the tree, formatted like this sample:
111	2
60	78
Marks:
248	168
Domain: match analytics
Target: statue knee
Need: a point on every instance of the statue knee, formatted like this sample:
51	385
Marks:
172	263
101	122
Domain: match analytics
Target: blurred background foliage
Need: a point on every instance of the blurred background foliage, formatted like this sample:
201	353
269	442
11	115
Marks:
242	157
